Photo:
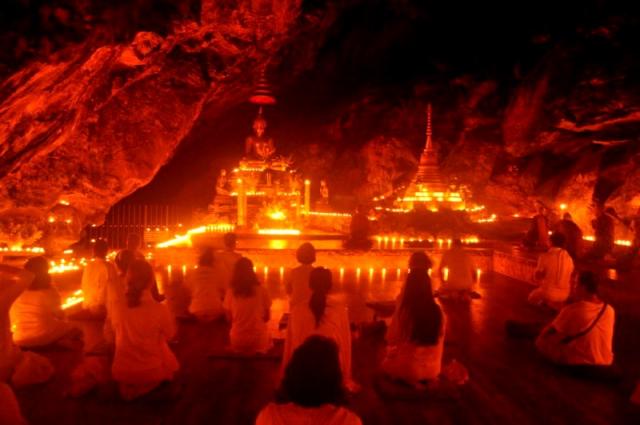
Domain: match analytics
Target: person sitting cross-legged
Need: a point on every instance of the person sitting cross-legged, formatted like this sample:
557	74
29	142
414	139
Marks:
554	271
311	390
582	333
97	276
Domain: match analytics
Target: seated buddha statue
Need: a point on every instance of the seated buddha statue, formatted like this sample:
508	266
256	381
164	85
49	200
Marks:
257	145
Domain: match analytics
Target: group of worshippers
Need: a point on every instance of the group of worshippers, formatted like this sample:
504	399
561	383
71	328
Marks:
316	366
603	226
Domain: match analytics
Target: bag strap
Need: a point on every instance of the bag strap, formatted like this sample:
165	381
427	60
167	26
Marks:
570	338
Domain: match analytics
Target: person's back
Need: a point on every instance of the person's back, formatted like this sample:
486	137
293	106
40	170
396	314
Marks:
312	389
330	319
572	234
249	332
298	284
224	263
10	289
142	359
9	409
558	267
142	353
460	269
416	335
334	325
207	291
96	278
37	318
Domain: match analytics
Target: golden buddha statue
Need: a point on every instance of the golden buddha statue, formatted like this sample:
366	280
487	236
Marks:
257	145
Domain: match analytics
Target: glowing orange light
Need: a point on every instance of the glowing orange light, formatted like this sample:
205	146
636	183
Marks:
279	232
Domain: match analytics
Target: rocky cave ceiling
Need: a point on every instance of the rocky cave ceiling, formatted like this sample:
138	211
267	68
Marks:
144	101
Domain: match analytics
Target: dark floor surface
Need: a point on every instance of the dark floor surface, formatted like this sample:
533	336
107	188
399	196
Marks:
509	383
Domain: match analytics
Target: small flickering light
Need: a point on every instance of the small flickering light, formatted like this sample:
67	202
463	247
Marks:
281	274
68	221
612	274
74	299
358	272
440	242
68	251
184	269
448	243
341	274
478	274
563	207
64	202
266	271
398	272
445	274
51	219
371	273
429	271
169	271
384	273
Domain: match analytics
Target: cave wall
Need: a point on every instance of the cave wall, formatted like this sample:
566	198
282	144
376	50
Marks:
87	124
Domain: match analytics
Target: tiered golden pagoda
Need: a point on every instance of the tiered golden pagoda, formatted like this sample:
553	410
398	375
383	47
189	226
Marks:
428	189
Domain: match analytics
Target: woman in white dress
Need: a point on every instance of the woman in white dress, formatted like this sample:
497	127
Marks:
321	315
298	284
143	359
312	389
36	315
247	306
207	289
416	333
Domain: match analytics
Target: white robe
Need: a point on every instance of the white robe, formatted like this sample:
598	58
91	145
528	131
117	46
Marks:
334	324
555	286
10	289
37	318
224	263
207	291
249	332
289	413
97	276
298	285
142	355
594	348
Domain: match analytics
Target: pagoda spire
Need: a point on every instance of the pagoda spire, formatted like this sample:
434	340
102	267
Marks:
429	144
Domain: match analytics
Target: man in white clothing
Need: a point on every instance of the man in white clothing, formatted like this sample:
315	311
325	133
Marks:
554	271
582	333
96	277
226	259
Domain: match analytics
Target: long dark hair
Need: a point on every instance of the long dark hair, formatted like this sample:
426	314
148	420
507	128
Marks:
313	376
139	277
320	283
244	280
39	266
419	310
124	258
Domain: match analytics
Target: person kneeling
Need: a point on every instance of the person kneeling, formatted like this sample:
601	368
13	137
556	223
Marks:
554	271
582	333
416	334
311	390
206	288
458	280
143	359
247	306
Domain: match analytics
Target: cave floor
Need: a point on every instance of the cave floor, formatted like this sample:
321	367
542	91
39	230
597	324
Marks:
508	384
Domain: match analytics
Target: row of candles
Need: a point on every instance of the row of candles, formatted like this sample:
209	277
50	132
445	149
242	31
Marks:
393	242
383	272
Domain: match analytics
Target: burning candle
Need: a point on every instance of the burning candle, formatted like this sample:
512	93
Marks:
281	274
448	243
184	269
341	274
393	243
370	273
398	271
266	273
429	271
478	274
169	272
445	274
358	273
384	274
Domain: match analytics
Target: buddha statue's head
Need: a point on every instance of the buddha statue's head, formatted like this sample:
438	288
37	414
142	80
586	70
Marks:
259	124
